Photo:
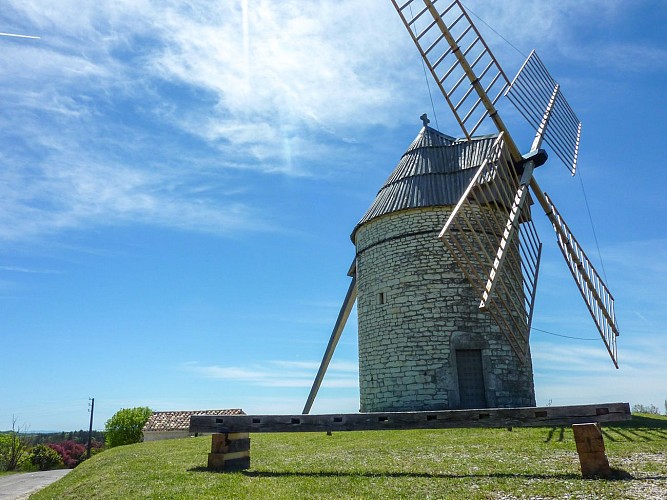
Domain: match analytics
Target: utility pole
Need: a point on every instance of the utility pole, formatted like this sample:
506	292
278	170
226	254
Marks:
90	429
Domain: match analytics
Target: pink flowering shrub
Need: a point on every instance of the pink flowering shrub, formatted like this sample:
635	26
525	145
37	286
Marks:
71	452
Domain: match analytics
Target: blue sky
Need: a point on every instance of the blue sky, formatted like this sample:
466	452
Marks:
179	181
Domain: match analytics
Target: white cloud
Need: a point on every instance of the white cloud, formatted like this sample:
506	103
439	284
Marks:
281	374
632	57
75	195
306	65
568	372
115	95
306	69
251	85
563	26
25	270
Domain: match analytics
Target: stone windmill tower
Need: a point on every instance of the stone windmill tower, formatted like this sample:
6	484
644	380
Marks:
423	343
447	256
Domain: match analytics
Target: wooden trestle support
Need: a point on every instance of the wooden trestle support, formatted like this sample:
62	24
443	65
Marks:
230	444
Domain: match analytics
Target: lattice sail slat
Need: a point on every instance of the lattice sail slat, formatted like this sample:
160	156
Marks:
530	92
461	63
473	234
481	232
531	253
598	299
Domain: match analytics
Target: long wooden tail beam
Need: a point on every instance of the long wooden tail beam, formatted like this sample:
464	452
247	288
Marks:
442	419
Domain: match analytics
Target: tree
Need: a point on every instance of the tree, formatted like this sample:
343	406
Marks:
80	436
650	409
71	452
44	457
13	447
126	425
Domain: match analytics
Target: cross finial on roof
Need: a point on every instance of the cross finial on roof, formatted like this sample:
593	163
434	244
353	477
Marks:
425	120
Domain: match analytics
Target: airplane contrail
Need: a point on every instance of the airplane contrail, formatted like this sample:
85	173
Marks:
20	36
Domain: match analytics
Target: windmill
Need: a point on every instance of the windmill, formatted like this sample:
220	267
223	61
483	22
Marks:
445	273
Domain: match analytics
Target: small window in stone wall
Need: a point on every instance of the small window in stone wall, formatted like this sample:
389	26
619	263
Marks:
381	298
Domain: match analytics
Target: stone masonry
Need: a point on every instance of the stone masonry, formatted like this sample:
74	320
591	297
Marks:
415	310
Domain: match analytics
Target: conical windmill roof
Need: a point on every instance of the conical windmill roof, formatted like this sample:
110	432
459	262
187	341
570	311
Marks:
434	171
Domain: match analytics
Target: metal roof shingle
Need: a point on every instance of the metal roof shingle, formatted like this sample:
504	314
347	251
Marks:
434	171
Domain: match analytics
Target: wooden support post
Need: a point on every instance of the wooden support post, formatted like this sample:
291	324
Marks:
229	452
590	447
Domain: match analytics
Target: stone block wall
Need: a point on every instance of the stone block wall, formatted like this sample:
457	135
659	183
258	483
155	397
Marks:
415	309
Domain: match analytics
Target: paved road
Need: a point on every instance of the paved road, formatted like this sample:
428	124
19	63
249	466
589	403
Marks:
20	486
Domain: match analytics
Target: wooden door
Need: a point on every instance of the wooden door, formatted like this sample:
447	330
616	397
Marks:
472	392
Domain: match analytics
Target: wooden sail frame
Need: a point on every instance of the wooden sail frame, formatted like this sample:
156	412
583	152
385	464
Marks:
453	50
477	226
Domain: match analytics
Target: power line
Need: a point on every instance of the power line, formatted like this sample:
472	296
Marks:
492	29
595	236
428	85
558	334
581	180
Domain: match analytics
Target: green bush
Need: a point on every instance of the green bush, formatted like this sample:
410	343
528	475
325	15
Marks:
13	448
125	426
45	458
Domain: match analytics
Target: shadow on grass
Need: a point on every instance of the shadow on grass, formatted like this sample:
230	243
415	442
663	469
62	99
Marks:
267	473
617	474
640	421
623	434
640	428
621	475
552	431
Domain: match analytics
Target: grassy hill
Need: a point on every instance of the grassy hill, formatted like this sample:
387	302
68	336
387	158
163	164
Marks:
452	463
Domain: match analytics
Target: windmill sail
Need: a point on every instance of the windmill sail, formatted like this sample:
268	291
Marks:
461	63
511	228
598	299
477	225
532	91
472	81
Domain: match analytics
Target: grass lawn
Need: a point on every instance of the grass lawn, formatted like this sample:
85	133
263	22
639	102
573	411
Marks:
451	463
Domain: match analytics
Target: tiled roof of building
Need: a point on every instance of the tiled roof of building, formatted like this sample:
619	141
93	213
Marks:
434	171
161	421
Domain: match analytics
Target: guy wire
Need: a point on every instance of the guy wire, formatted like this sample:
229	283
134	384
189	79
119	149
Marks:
428	85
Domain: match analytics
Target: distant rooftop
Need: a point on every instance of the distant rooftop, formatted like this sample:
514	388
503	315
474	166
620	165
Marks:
161	421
